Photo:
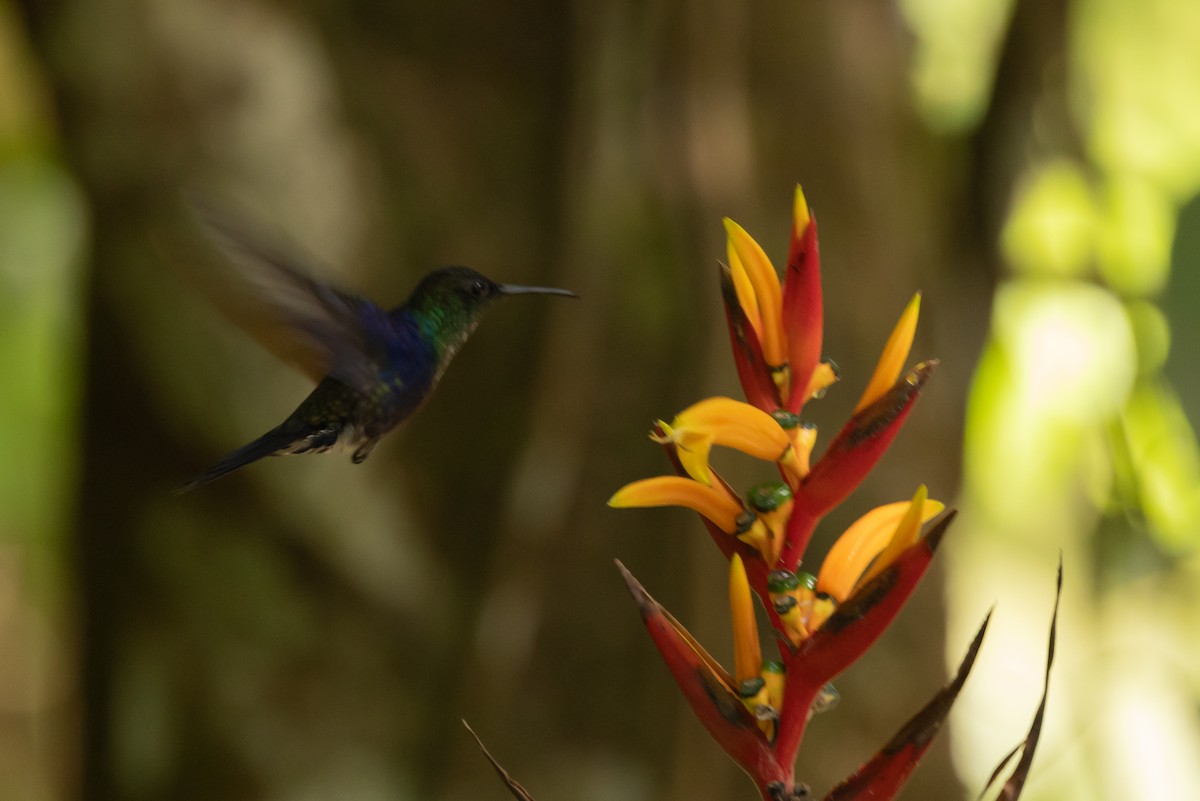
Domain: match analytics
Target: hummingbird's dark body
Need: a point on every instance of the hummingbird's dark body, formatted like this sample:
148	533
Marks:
376	367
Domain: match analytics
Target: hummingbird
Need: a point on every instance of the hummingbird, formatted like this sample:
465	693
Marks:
374	367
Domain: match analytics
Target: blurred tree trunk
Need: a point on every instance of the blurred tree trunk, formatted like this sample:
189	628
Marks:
308	628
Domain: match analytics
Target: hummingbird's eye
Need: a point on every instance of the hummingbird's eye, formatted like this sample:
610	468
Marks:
479	289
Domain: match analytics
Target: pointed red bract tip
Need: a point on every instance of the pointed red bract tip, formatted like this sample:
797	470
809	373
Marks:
708	688
885	774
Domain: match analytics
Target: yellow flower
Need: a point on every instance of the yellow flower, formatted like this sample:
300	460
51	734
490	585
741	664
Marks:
747	655
764	303
714	503
823	377
895	353
872	543
747	652
729	423
864	550
762	526
772	503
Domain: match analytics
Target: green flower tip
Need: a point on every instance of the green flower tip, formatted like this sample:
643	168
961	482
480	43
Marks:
786	419
769	497
779	581
826	699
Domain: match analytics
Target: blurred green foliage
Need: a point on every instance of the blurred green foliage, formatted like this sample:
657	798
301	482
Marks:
43	229
1076	437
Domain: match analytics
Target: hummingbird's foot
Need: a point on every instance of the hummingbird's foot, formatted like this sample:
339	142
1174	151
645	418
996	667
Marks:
363	452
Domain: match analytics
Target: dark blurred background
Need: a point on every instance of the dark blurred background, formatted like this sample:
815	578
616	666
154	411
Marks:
308	629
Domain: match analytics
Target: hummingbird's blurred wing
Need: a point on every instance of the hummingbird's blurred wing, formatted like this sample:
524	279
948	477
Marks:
306	323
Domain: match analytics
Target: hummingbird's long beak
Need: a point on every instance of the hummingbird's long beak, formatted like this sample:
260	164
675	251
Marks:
514	289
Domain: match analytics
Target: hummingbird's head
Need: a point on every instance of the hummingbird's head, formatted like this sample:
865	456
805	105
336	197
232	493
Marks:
451	300
455	291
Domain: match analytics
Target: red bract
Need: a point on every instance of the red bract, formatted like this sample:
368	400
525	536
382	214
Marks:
802	307
852	455
882	777
708	688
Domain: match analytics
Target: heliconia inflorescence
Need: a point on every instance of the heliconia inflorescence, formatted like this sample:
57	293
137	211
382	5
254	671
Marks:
824	620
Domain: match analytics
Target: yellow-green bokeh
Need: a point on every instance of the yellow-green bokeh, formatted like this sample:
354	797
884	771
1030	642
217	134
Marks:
1076	441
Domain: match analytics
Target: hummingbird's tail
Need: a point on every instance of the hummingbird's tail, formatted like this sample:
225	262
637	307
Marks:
278	439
